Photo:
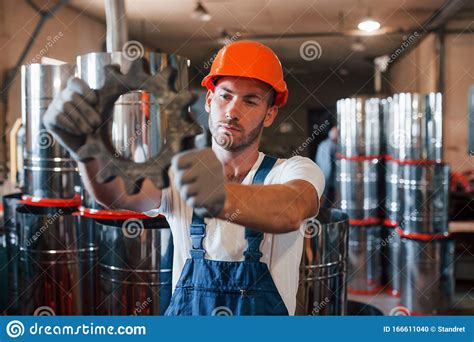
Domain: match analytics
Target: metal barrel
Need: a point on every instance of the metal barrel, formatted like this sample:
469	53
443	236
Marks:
3	266
391	260
137	129
418	124
57	260
365	259
392	203
322	288
358	187
136	260
48	170
425	193
427	276
10	203
359	126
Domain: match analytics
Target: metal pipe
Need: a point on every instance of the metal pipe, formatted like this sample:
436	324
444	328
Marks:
117	27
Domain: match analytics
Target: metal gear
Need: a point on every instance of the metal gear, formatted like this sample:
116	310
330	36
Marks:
181	127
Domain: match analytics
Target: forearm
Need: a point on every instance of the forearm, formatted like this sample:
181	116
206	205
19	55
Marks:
273	209
113	195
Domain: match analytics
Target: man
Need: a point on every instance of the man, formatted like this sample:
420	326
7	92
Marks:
326	160
219	264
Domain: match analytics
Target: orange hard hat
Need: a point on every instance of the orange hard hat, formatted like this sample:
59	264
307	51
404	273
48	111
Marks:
249	59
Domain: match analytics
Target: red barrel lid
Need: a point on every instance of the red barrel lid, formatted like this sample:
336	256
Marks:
112	214
390	223
51	202
365	222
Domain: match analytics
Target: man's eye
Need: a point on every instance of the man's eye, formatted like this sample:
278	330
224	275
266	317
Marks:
226	96
251	103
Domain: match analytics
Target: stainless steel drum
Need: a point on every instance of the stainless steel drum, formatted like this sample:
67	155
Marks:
392	201
427	277
136	126
365	259
3	267
10	203
391	260
358	187
57	261
136	260
322	288
49	172
359	126
418	126
425	193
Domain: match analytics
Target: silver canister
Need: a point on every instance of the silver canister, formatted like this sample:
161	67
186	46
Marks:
418	126
359	126
427	276
392	203
56	264
358	187
323	271
136	260
365	259
425	193
391	260
48	170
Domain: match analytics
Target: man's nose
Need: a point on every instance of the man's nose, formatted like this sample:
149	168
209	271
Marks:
234	109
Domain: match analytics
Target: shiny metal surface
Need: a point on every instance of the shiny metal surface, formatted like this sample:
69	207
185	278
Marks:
136	260
358	187
10	203
365	259
425	195
137	126
116	22
57	261
427	277
48	170
322	288
392	203
359	126
391	259
417	126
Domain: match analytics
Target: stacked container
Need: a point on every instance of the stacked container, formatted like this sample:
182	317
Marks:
358	188
417	204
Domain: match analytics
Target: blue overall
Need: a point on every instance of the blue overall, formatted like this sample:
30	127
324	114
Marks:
210	287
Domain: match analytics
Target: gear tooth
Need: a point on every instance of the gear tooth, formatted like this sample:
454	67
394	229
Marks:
130	186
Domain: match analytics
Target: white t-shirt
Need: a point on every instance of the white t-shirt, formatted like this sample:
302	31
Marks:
225	241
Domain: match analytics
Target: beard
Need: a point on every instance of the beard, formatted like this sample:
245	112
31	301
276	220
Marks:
229	141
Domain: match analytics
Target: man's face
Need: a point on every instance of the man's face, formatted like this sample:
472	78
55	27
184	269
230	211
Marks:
238	110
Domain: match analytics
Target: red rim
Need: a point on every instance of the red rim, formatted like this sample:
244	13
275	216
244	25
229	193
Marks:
423	237
392	292
390	223
358	158
112	214
414	161
365	292
365	222
51	202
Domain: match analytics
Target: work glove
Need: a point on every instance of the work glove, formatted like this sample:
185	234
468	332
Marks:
70	116
199	178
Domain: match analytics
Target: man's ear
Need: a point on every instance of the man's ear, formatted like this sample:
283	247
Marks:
271	115
207	104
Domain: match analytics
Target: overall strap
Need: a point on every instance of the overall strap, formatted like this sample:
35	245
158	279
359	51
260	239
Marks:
197	231
254	238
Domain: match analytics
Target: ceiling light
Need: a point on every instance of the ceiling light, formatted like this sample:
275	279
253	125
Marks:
200	13
368	25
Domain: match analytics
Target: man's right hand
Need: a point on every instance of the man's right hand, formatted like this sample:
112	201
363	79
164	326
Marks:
70	116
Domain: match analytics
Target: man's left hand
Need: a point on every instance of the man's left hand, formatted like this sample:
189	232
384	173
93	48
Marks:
199	178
